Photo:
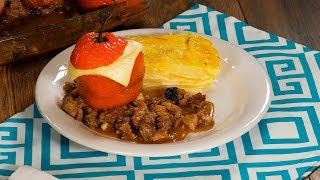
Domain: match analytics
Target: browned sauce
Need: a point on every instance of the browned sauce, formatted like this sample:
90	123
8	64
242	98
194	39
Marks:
156	116
179	134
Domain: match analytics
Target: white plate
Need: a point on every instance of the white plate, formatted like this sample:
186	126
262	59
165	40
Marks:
241	96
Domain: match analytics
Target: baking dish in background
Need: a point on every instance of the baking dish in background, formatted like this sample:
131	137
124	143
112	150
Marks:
61	30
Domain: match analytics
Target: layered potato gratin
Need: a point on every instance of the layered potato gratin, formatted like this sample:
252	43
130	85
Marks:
186	60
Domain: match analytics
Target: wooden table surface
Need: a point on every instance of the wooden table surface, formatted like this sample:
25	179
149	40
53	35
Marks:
295	20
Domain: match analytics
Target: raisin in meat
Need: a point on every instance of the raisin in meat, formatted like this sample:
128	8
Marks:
172	94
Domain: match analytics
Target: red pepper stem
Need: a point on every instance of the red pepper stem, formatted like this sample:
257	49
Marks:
104	39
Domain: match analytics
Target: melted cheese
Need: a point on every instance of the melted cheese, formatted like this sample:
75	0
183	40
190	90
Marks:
119	71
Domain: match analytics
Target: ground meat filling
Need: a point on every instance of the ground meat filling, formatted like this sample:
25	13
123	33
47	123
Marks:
155	116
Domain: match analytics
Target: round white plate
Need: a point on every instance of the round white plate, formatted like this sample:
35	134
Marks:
241	95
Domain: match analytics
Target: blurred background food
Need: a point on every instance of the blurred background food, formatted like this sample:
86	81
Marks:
18	11
33	27
186	59
94	4
42	4
3	5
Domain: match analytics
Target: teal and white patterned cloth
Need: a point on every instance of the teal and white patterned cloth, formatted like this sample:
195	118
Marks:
284	145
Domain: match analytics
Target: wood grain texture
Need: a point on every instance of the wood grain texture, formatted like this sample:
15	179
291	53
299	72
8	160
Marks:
295	20
162	11
314	175
17	84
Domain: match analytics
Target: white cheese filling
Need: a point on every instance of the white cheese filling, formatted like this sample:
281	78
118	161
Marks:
119	71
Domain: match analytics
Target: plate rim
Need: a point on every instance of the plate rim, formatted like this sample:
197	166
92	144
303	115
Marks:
267	102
